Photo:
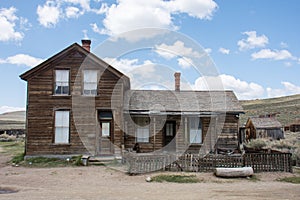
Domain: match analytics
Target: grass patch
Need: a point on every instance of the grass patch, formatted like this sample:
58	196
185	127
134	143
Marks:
52	162
295	180
176	179
254	178
12	148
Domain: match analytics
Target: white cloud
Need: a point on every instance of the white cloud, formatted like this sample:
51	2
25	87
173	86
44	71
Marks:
202	9
242	89
224	51
72	12
174	50
7	25
21	59
252	41
49	14
208	50
5	109
151	14
272	54
288	89
185	62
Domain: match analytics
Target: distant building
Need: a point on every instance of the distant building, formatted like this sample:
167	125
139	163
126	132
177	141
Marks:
263	127
294	126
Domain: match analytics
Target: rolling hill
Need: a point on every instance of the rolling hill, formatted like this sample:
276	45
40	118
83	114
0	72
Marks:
12	120
288	108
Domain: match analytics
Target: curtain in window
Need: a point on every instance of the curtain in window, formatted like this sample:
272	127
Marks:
142	134
62	77
195	130
62	120
90	79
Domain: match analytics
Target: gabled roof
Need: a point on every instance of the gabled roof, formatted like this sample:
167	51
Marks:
265	122
182	101
47	64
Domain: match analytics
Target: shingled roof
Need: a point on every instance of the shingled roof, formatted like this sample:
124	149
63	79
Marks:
182	101
265	122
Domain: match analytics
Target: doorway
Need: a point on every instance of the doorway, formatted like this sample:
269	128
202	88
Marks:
169	136
106	133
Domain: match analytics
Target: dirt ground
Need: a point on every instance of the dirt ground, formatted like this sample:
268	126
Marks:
100	182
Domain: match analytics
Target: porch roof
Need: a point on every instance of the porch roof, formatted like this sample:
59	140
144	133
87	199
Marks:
166	101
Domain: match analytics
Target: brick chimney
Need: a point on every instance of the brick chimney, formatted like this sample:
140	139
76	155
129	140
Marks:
86	44
177	81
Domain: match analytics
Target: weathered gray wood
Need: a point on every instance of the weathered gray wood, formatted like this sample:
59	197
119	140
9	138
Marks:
234	172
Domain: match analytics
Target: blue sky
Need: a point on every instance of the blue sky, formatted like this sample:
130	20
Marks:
254	44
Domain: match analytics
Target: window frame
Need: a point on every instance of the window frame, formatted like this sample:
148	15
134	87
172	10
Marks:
142	127
194	122
55	83
84	82
63	127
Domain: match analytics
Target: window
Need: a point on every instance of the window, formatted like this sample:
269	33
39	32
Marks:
90	82
142	134
195	130
62	121
105	127
61	82
169	129
142	130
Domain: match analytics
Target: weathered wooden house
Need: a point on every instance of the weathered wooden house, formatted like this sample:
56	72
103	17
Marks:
294	126
263	127
79	104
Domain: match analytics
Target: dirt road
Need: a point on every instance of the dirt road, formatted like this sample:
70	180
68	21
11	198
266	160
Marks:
103	183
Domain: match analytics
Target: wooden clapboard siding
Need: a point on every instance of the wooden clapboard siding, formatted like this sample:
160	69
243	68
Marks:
41	103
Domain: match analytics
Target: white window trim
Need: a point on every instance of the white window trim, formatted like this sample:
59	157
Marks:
90	82
62	83
63	125
195	131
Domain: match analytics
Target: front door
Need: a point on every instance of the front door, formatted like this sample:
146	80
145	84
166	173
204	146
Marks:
169	136
106	137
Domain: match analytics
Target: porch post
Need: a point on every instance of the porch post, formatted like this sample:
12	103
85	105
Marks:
185	131
154	132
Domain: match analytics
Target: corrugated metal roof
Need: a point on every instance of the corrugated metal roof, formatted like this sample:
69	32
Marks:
265	122
182	101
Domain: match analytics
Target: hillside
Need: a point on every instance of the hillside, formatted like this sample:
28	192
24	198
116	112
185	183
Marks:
12	120
288	108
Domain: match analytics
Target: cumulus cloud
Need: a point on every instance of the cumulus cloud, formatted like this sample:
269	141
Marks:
272	54
176	49
208	50
49	14
8	21
72	12
22	59
5	109
224	51
151	14
242	89
252	41
52	11
288	89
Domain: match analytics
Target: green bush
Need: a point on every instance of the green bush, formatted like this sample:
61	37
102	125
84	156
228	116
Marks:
257	144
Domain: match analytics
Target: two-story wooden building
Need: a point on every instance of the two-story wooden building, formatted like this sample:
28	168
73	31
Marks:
79	104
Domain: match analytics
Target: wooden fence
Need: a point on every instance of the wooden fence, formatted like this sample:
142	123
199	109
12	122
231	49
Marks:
264	162
260	162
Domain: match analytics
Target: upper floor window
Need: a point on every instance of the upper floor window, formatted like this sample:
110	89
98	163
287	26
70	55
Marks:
90	82
62	82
